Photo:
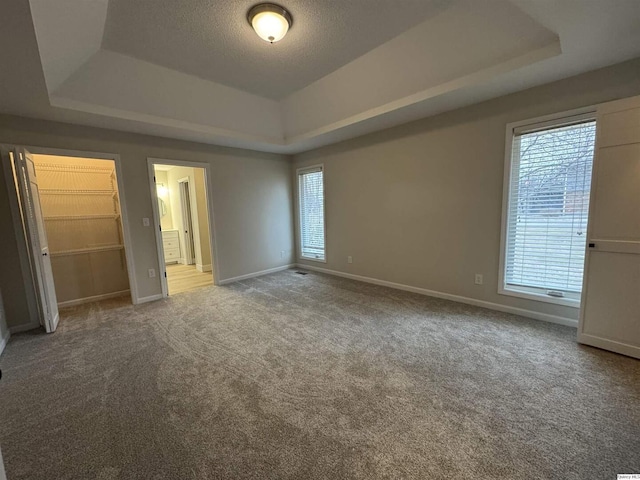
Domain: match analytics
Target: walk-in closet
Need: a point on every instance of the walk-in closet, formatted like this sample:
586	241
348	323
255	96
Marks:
81	211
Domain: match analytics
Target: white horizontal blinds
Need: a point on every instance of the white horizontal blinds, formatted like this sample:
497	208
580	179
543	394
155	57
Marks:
311	185
548	207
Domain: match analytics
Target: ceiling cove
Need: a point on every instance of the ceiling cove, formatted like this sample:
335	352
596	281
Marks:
198	71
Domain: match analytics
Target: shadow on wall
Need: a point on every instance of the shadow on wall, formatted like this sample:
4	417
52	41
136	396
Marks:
4	337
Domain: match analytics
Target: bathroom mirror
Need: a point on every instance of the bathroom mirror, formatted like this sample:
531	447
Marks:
162	207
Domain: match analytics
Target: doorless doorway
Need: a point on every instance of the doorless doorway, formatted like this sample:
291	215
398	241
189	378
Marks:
183	217
68	213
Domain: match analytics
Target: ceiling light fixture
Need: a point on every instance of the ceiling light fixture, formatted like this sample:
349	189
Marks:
270	21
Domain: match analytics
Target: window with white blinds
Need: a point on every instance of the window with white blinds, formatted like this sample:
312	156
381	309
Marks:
548	206
311	203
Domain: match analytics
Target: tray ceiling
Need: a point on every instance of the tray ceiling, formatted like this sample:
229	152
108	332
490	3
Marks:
214	41
346	68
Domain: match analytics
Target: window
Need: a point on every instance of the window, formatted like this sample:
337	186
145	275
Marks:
546	211
311	203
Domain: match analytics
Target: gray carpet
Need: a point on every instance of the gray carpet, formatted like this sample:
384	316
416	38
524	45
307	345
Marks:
313	377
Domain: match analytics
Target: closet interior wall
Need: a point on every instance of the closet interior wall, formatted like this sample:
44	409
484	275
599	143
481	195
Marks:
81	209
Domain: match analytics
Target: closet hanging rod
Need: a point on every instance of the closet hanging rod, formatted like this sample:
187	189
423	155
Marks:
112	216
80	251
72	168
61	191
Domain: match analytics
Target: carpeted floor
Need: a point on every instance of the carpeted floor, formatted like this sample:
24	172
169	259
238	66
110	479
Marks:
313	377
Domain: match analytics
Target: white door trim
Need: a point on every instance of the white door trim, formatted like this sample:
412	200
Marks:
128	246
208	180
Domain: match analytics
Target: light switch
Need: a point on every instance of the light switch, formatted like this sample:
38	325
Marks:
145	222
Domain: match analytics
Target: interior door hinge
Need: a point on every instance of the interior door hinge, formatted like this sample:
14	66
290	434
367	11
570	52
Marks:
165	274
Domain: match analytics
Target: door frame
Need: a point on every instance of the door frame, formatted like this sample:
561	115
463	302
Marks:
124	217
187	216
208	184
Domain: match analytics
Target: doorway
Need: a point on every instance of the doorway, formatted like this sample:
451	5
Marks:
184	222
68	216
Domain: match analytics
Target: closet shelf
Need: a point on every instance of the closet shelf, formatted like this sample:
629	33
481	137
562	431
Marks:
74	168
58	191
80	251
82	217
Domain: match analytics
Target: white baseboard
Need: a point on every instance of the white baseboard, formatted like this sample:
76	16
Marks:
4	340
150	298
448	296
611	345
94	298
24	327
204	268
256	274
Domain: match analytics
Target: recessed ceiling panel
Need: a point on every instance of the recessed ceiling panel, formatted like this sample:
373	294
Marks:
214	41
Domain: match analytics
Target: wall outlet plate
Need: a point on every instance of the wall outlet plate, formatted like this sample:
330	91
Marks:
152	273
349	259
479	279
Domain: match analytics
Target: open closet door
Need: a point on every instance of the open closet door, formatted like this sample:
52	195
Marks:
37	237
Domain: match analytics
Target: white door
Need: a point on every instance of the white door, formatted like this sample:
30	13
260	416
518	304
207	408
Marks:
37	237
610	315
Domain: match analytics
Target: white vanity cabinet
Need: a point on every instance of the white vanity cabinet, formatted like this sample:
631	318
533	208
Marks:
171	246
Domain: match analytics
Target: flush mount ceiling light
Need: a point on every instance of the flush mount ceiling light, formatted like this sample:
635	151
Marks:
270	21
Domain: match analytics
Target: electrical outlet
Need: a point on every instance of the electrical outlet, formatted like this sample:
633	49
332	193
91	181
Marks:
479	279
152	273
145	222
281	253
349	259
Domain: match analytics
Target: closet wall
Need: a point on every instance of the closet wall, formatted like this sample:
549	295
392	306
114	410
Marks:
81	209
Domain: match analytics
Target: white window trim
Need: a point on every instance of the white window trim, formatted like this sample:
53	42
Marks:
539	123
299	171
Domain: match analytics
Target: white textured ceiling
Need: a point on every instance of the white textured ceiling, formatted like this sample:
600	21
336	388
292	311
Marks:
459	52
212	39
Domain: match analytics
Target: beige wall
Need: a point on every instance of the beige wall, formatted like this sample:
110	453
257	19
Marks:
252	201
421	204
166	221
173	175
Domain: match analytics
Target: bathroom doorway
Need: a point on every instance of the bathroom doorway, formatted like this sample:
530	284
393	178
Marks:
184	224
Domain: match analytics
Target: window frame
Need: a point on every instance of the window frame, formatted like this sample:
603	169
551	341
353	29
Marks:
526	126
299	172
